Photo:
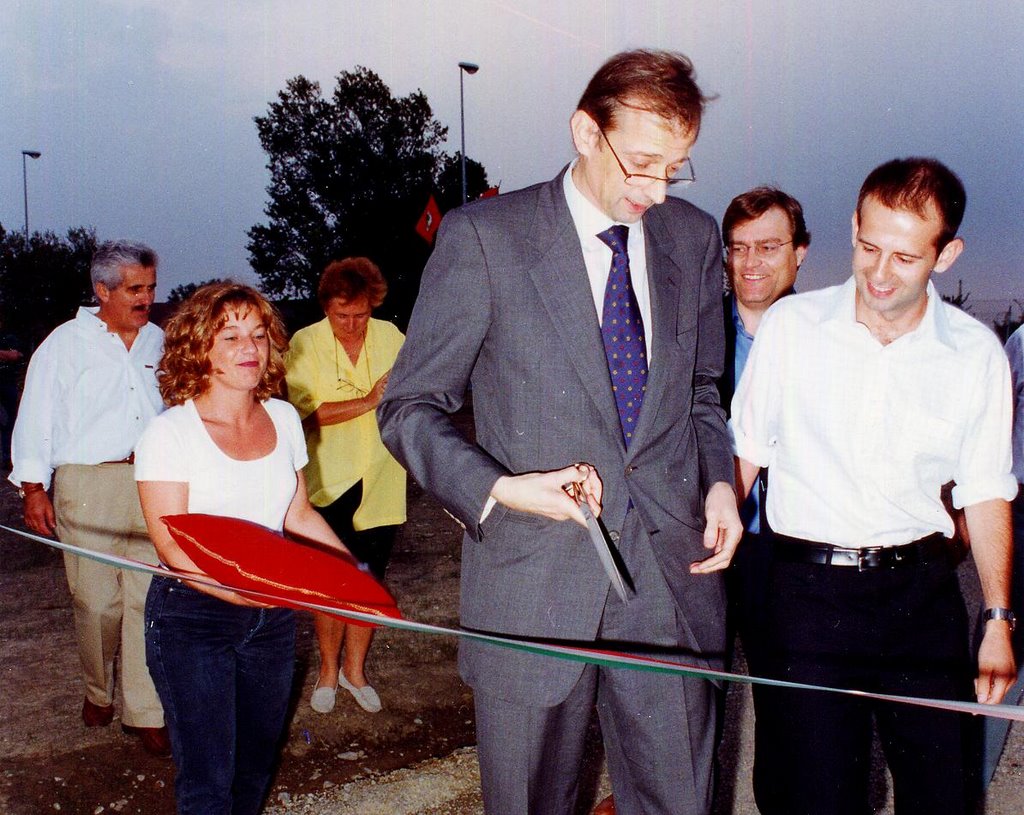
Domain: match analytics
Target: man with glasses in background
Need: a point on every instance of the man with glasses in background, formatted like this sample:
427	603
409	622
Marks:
586	314
766	241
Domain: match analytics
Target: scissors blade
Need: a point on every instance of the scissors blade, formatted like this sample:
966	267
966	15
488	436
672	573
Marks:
604	552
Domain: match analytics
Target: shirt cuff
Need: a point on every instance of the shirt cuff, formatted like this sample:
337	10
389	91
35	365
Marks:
984	489
747	449
30	472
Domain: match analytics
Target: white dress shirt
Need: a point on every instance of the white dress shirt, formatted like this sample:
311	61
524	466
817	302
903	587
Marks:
590	222
1015	351
87	398
597	255
859	437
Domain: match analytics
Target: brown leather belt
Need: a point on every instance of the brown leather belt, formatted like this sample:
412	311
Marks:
925	550
129	460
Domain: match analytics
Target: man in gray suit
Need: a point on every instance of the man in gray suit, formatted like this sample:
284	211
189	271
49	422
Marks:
588	322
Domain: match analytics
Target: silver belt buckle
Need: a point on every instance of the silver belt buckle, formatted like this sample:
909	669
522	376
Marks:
866	554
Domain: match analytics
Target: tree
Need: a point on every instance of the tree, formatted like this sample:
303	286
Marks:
181	292
1010	321
959	299
350	175
44	280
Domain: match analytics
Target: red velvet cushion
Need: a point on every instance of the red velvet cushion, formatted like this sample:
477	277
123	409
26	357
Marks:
244	555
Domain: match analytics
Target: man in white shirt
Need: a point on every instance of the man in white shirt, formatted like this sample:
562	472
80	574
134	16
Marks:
89	392
863	400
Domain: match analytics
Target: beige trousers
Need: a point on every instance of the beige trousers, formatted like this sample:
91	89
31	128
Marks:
97	508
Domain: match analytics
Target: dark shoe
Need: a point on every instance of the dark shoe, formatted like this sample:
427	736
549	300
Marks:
154	739
97	716
606	807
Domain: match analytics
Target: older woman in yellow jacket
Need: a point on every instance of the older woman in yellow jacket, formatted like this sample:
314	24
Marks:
336	372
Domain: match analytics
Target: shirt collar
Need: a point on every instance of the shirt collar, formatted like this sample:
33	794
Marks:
88	317
934	325
587	218
737	321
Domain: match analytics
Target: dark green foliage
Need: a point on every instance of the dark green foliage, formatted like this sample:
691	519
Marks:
350	175
1011	320
181	292
959	299
43	281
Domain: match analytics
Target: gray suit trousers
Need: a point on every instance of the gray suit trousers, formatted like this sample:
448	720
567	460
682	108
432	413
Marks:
658	729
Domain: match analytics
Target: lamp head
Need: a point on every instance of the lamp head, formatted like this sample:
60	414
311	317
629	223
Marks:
31	153
469	67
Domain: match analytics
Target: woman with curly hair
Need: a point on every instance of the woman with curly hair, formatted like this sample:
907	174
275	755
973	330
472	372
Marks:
222	662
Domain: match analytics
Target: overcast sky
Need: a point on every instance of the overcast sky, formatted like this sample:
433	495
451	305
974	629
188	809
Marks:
143	110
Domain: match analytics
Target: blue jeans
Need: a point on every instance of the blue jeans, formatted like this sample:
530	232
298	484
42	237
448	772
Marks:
224	675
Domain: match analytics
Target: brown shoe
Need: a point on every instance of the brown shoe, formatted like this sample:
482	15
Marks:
155	740
97	716
606	807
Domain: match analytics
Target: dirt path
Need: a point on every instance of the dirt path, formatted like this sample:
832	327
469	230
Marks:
345	762
52	763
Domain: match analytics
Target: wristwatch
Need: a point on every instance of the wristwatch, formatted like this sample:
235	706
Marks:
1001	614
26	488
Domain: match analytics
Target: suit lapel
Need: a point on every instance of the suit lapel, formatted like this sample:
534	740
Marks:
560	275
663	280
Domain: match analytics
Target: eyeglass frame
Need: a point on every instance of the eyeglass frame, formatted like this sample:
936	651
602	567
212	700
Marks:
647	179
761	250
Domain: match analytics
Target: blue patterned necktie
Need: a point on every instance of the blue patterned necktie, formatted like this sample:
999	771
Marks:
622	329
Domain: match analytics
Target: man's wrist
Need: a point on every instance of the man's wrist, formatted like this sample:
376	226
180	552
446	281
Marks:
29	487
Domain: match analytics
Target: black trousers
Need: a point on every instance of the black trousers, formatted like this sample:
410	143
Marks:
370	546
901	631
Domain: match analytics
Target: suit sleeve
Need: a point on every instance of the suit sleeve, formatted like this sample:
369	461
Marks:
713	440
428	383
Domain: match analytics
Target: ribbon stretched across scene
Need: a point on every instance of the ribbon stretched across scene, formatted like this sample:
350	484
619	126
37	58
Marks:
553	649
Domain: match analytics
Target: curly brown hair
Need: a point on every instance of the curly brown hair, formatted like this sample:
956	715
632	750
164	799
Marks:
188	337
350	279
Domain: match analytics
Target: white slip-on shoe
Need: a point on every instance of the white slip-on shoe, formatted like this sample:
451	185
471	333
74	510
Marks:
366	697
322	700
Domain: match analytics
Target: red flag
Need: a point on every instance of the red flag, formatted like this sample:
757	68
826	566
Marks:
490	192
429	221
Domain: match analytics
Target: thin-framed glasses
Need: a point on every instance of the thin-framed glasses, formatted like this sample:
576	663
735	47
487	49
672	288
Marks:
684	175
351	389
347	386
763	250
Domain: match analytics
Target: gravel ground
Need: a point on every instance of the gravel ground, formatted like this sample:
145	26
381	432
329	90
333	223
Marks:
415	757
450	785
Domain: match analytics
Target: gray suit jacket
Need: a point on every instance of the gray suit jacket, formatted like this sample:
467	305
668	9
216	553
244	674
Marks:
505	305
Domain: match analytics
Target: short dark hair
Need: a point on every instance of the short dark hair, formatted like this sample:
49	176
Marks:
912	184
661	82
754	203
351	278
111	258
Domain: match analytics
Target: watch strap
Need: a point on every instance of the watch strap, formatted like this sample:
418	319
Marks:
1004	614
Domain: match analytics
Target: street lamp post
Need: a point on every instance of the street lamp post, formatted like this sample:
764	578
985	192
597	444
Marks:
24	181
464	68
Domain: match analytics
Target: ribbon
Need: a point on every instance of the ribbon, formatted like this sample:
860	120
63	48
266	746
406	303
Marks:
593	656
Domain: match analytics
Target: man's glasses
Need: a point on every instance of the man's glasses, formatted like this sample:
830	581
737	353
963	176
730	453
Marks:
763	250
684	175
